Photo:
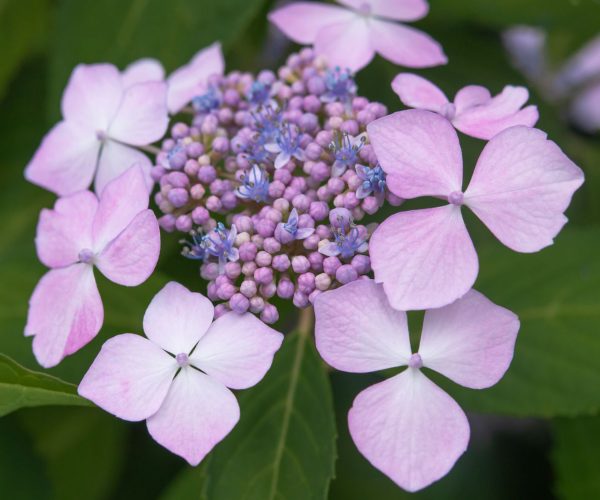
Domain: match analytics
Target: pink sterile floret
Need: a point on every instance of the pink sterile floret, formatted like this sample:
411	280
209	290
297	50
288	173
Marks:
406	426
474	111
350	37
520	189
179	378
116	233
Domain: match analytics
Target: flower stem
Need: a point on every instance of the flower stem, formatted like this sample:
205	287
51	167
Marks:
306	322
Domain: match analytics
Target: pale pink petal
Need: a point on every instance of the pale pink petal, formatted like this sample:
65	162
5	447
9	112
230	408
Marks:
399	10
92	96
129	378
143	70
471	96
471	341
142	117
116	158
346	44
409	429
66	160
419	151
122	199
191	80
131	257
499	113
197	413
583	66
521	186
356	329
176	318
416	92
405	45
237	350
66	229
585	110
424	258
65	313
302	21
526	46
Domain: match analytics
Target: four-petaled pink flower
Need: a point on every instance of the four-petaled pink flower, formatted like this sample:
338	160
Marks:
105	116
192	80
474	111
407	426
350	37
520	188
184	396
118	234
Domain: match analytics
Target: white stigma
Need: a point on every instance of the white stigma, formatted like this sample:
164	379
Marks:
415	361
182	359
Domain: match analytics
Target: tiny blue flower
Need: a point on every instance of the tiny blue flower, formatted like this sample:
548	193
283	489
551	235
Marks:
255	185
346	244
345	149
208	101
286	146
219	243
340	86
194	249
373	181
291	226
259	93
267	121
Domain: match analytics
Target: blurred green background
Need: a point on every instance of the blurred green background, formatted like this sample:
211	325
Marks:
535	435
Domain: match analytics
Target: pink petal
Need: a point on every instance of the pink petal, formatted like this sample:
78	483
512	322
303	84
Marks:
120	202
499	113
65	313
357	330
471	96
132	256
116	158
237	350
129	378
399	10
302	21
521	186
143	70
405	46
197	413
584	65
424	258
346	44
66	230
191	80
92	96
416	92
471	341
142	117
176	318
409	429
585	110
66	160
420	152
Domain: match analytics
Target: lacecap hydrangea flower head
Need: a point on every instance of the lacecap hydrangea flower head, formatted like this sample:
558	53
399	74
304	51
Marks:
272	185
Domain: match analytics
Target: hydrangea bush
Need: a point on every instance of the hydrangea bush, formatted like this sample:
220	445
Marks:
276	187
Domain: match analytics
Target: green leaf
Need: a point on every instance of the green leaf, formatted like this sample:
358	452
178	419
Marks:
21	388
556	294
23	32
120	32
576	458
284	444
83	449
188	484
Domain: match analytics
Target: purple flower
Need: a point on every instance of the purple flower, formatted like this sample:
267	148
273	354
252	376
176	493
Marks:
208	101
348	241
289	231
178	378
340	86
373	181
219	243
259	93
286	146
407	426
345	149
255	185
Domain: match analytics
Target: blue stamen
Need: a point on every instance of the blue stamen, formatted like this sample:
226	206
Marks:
340	85
255	185
373	181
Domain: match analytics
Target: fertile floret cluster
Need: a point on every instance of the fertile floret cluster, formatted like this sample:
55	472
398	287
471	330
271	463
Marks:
270	179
